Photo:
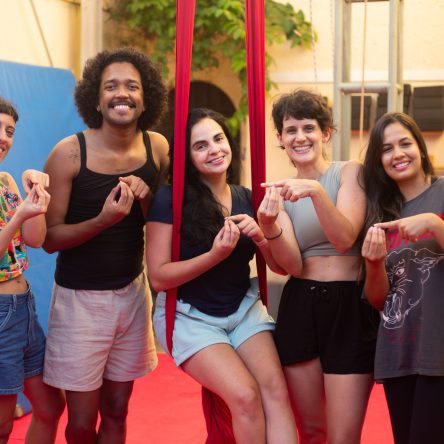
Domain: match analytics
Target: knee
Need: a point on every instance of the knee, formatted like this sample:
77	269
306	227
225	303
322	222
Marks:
312	433
247	402
49	412
114	411
275	389
345	437
80	429
5	430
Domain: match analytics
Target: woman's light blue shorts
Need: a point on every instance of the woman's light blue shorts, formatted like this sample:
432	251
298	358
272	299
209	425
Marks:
194	330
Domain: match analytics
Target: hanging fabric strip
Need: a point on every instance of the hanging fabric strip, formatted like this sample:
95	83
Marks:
217	415
255	40
184	46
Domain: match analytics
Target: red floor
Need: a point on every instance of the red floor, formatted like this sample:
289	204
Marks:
166	409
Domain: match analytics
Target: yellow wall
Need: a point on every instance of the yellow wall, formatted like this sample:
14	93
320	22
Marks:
423	60
422	53
21	39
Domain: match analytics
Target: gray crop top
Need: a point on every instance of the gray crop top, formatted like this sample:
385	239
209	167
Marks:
309	234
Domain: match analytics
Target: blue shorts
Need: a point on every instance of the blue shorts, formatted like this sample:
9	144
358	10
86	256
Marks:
22	341
194	330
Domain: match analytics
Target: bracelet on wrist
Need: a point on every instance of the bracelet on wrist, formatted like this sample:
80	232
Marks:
276	236
262	242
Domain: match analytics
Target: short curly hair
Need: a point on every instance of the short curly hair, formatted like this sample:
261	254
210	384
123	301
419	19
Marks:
9	109
88	88
302	104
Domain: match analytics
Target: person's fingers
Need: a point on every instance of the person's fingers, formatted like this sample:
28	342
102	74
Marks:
277	184
236	217
126	196
388	225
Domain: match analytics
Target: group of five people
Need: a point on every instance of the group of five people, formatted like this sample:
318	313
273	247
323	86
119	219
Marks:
355	240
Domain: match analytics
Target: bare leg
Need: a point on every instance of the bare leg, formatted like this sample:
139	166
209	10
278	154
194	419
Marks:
48	404
7	408
114	399
220	369
305	382
260	356
83	410
346	399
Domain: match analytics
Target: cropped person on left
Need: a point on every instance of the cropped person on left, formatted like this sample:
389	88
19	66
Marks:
22	341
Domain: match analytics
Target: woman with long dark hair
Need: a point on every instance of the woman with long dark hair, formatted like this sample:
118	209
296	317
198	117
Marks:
222	332
404	258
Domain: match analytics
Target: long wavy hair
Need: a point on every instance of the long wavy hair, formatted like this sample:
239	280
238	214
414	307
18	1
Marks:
384	198
202	215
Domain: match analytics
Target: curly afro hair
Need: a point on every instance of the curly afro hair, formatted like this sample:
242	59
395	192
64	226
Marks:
88	88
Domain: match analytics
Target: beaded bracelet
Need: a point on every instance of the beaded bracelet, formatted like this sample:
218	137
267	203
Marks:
274	237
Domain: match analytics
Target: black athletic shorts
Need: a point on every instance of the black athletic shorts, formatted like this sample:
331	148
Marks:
329	320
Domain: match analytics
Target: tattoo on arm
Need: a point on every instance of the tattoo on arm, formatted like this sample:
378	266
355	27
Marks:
74	155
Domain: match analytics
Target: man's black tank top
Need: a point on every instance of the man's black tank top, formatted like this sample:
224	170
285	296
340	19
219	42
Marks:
114	257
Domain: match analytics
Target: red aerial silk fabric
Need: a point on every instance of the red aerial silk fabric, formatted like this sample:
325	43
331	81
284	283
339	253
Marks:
217	415
217	419
255	39
184	47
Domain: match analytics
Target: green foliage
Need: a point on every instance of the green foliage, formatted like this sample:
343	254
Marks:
219	31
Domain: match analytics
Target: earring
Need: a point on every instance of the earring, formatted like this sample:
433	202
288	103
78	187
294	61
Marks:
98	108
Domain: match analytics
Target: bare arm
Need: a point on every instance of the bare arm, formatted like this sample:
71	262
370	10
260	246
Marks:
63	165
29	216
374	252
164	273
436	227
341	223
282	245
34	228
249	227
143	193
413	227
160	153
269	259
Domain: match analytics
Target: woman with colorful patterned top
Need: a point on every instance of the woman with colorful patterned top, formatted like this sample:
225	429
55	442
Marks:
22	341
